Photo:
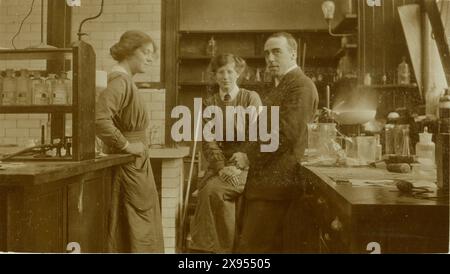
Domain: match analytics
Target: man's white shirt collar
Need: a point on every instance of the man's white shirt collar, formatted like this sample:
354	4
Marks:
233	93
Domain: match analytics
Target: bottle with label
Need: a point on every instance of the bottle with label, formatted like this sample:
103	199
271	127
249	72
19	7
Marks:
389	133
379	148
405	145
51	83
24	88
9	88
39	90
59	90
403	73
211	48
425	148
69	87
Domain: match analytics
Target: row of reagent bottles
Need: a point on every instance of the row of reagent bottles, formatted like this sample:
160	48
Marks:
36	90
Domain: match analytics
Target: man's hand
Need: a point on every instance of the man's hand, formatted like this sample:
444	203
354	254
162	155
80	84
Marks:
136	149
230	174
240	159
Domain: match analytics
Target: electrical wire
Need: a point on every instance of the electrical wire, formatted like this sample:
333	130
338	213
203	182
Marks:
80	33
21	24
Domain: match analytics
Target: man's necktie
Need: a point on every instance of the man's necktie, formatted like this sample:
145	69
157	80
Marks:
227	98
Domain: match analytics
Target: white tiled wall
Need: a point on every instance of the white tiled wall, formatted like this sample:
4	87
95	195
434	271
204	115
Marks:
19	129
118	16
155	101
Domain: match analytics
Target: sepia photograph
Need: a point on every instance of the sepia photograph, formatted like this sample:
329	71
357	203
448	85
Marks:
243	128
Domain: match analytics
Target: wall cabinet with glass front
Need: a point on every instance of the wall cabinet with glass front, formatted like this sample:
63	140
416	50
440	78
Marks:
52	92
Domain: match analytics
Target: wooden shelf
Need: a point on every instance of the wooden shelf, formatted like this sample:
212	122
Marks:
36	54
208	58
391	86
195	83
204	84
347	25
36	109
318	61
251	31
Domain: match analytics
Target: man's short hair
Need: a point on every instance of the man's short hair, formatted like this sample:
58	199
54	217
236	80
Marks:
290	39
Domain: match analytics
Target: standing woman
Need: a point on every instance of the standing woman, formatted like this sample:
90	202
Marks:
135	223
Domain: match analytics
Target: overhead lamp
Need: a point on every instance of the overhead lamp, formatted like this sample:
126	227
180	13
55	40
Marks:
328	9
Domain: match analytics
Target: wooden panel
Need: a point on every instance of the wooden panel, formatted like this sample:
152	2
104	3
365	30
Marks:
35	221
255	14
84	102
59	28
87	211
3	219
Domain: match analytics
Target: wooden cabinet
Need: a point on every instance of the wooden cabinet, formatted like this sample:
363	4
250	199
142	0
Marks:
46	219
81	60
353	219
46	206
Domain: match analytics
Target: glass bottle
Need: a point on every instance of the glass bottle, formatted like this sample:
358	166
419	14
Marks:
425	148
9	88
211	48
24	88
403	73
51	83
59	91
405	145
39	90
69	87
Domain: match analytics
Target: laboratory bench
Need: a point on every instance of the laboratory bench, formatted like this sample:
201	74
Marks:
360	210
45	206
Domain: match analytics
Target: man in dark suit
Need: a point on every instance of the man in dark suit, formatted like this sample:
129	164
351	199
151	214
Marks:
272	192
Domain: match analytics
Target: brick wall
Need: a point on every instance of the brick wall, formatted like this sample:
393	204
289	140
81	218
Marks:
119	16
172	178
155	101
11	14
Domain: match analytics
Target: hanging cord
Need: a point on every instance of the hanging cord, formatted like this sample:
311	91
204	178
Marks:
21	24
80	33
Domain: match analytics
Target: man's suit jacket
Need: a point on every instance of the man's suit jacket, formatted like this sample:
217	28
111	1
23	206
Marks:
272	175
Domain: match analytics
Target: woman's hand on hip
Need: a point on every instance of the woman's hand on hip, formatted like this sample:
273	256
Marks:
136	149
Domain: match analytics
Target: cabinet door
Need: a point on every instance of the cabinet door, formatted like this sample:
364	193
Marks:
32	219
87	211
